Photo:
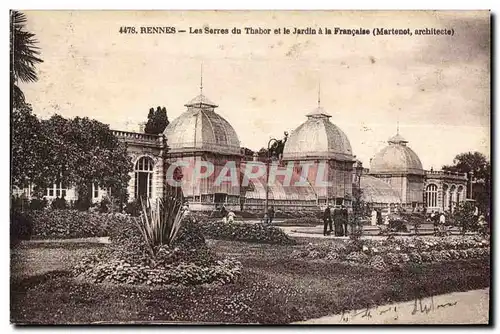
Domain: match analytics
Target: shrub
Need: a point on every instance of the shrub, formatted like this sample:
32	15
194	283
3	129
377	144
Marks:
245	232
415	257
38	204
391	259
357	257
58	204
105	205
133	208
83	203
377	262
21	226
464	217
64	223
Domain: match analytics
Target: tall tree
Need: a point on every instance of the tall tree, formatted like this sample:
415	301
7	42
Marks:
27	147
89	153
24	56
77	152
157	121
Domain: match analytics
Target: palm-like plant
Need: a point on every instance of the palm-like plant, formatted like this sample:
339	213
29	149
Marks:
23	56
160	223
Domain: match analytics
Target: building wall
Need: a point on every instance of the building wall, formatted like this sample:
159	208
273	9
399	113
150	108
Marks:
451	190
415	190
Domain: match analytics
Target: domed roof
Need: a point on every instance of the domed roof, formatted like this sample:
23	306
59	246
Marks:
374	190
396	158
200	128
318	138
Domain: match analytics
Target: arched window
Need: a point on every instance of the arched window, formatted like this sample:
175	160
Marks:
446	197
431	195
459	194
144	177
452	200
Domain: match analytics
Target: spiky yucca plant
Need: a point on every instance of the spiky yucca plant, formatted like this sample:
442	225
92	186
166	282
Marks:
160	223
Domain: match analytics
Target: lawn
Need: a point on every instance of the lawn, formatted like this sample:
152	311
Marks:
274	288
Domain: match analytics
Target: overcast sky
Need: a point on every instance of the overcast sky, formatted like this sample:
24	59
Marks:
437	87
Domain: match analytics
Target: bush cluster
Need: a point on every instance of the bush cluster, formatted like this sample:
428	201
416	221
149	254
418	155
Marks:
49	223
245	232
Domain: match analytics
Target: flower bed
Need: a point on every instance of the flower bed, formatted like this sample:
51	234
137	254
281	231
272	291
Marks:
121	271
187	261
381	254
245	232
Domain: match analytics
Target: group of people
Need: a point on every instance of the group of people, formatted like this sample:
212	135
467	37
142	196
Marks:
339	218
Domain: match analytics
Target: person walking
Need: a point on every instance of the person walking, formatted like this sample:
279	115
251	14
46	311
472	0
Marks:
270	214
327	221
441	218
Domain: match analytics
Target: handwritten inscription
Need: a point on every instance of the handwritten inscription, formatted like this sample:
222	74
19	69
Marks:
420	306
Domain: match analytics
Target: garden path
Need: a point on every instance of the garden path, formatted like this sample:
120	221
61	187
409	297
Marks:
470	307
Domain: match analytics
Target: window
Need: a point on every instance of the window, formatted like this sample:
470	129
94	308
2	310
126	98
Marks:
95	190
57	190
459	194
144	177
431	193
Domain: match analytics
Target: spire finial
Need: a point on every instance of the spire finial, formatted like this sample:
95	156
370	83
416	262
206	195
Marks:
201	79
397	128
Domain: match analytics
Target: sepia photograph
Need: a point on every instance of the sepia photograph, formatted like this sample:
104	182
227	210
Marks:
250	167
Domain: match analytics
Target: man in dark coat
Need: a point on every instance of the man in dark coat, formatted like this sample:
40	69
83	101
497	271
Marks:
379	217
223	211
327	221
270	214
344	219
337	221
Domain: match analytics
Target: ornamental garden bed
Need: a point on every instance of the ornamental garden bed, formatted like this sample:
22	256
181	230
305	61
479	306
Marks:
186	261
383	254
245	232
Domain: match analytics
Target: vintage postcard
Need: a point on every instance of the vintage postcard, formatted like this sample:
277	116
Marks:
250	167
